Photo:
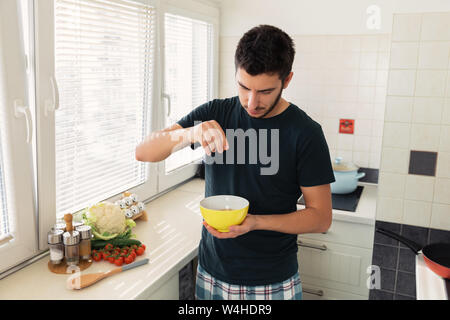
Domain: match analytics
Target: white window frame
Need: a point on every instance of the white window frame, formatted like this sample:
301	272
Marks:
18	155
157	180
199	10
45	69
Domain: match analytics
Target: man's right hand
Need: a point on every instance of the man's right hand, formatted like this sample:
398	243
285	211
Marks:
211	136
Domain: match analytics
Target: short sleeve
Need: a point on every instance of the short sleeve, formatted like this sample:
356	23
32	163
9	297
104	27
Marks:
313	160
200	114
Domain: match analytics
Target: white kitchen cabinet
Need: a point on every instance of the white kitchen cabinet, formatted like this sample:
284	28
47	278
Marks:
167	291
334	265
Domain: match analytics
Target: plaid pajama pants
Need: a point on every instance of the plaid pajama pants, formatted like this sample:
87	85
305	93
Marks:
209	288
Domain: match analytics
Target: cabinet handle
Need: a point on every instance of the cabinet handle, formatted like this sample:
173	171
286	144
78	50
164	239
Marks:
313	291
312	246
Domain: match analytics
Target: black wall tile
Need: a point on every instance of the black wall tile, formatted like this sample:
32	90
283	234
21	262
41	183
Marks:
385	256
439	236
423	163
381	238
387	279
416	234
406	284
407	260
402	297
380	295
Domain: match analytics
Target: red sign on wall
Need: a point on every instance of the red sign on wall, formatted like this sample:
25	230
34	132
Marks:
346	126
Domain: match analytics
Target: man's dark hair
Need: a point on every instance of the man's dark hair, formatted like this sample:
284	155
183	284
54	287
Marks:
265	49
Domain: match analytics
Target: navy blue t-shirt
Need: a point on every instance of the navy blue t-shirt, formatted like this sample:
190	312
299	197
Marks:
260	257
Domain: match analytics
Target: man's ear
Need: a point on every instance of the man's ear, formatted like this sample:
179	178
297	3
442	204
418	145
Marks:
287	80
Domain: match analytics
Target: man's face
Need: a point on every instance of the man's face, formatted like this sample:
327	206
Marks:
260	94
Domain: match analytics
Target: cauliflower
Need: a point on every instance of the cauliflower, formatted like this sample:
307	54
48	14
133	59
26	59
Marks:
108	221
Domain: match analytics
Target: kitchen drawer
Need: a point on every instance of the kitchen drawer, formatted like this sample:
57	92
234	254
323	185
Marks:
347	233
314	292
335	266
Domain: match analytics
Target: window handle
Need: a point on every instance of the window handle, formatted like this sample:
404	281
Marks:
166	96
23	111
52	105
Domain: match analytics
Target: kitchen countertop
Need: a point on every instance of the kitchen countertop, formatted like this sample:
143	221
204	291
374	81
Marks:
171	234
429	286
365	211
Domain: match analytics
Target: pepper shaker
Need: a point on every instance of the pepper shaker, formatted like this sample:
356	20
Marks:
85	243
71	242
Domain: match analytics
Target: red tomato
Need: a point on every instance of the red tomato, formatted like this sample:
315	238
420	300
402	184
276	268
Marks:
140	251
96	256
118	261
129	259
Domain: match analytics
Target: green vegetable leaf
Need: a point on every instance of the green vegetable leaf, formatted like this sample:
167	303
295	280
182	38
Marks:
130	223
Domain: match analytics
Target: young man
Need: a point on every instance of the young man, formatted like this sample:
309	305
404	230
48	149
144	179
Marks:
258	258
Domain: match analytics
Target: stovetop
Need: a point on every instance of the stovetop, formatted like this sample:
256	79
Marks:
345	202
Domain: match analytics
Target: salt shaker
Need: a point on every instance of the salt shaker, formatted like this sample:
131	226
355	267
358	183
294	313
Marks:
55	244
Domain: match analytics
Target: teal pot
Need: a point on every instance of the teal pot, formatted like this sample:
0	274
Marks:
346	176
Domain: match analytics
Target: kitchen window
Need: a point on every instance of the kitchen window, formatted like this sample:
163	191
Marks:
102	85
187	62
190	61
82	82
18	231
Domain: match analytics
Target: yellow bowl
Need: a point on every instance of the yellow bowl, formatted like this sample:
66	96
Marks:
223	211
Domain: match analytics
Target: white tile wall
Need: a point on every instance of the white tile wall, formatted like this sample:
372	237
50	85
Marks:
419	187
390	209
404	55
406	27
401	82
399	109
436	26
417	117
417	213
335	77
395	160
427	110
446	109
430	83
443	165
439	216
433	55
442	191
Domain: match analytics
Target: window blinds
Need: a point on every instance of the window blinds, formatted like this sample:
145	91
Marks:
104	68
188	73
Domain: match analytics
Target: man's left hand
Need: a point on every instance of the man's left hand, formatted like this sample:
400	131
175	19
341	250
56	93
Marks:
247	225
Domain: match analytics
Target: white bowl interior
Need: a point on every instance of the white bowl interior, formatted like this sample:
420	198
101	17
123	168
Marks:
223	202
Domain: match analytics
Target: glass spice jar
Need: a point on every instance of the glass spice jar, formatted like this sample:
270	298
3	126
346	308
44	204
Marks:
85	242
55	244
60	226
72	247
